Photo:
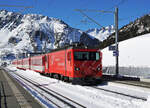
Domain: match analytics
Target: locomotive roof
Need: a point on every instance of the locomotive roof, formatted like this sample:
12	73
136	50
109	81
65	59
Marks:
65	47
73	47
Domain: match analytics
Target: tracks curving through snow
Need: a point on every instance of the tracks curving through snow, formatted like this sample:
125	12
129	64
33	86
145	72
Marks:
87	96
67	102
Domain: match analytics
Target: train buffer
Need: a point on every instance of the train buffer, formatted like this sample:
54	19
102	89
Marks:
12	95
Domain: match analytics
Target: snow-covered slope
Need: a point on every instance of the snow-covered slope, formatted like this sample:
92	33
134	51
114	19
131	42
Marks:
133	52
36	33
101	34
138	27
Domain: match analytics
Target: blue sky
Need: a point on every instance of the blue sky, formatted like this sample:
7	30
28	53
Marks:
129	10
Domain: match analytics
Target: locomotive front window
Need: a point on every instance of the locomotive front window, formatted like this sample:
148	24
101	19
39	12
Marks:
86	56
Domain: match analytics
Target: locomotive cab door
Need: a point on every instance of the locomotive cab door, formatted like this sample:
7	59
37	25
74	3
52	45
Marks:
46	64
69	63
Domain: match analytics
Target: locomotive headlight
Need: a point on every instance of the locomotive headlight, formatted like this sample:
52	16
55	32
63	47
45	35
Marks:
77	69
98	68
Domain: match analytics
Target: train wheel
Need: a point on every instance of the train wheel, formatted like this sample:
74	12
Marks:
48	74
57	76
51	75
66	79
62	77
41	74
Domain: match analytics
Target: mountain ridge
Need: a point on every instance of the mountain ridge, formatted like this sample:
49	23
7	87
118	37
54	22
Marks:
37	33
135	28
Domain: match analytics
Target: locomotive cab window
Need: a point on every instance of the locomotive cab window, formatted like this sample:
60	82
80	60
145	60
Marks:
86	56
97	56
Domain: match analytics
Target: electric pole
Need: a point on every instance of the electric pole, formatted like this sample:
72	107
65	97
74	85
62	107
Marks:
116	49
116	41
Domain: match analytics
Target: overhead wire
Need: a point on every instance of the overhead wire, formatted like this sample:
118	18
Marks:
89	17
117	5
101	11
22	7
109	10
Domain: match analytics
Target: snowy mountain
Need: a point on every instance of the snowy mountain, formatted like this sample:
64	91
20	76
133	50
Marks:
36	33
101	34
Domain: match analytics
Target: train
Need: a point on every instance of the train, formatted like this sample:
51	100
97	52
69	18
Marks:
70	64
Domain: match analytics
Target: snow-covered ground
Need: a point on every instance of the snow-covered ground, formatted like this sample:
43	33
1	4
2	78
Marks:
132	53
86	95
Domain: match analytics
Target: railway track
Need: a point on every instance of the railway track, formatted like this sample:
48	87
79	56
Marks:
95	87
119	93
74	104
135	83
58	97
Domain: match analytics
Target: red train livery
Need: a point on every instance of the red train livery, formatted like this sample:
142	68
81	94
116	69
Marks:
71	63
37	63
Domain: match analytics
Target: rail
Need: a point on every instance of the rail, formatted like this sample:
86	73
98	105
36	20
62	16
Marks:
54	94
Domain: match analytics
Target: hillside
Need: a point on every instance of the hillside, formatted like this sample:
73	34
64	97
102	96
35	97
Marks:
132	53
133	57
139	27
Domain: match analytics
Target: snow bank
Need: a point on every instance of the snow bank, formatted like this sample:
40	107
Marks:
132	53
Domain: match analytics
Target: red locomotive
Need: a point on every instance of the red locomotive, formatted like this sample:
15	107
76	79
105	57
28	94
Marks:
69	64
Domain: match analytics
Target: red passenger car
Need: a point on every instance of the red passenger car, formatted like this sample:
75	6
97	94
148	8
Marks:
14	63
37	63
19	64
26	63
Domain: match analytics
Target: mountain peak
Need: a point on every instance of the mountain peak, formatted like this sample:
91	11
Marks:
101	34
36	33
